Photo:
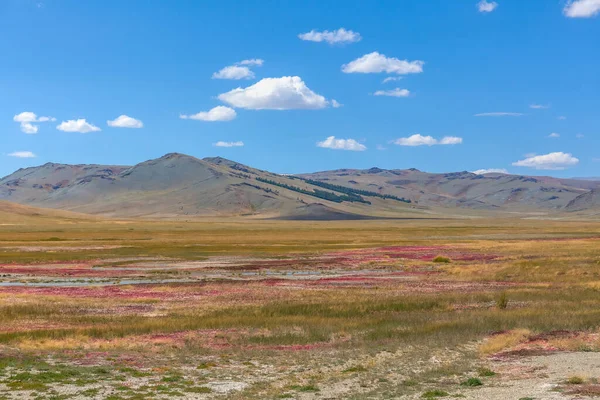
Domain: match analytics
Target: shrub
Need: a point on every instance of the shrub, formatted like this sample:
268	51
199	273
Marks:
486	372
432	394
441	259
502	301
575	380
472	382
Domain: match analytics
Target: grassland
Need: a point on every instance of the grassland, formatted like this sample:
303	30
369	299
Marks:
269	309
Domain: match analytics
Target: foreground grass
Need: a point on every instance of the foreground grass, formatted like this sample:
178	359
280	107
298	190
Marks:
268	335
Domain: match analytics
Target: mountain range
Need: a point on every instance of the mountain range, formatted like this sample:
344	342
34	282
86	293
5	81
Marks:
177	185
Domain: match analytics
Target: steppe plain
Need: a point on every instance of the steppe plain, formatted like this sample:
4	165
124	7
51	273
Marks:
477	308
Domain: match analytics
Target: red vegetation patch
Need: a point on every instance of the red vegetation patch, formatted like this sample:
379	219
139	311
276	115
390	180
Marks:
136	292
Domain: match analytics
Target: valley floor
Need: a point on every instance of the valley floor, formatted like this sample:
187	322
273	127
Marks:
237	309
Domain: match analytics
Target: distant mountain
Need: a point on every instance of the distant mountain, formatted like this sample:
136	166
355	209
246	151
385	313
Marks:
177	185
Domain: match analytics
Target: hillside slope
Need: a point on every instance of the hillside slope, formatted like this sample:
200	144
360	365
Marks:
177	185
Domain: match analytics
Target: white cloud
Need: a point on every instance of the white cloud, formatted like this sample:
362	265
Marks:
124	121
22	154
381	148
26	118
397	92
486	7
499	114
551	161
29	128
285	93
77	125
582	8
229	144
580	136
491	171
332	37
420	140
539	106
239	70
562	117
218	113
253	61
341	144
391	79
234	72
554	135
336	104
376	63
450	140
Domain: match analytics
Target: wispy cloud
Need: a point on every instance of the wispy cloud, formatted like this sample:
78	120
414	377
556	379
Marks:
228	144
339	36
391	79
22	154
486	6
397	92
375	62
539	106
554	135
218	113
420	140
499	114
491	171
239	70
341	144
552	161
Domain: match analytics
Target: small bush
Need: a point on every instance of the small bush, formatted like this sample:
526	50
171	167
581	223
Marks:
432	394
527	398
472	382
575	380
486	372
441	259
502	301
356	368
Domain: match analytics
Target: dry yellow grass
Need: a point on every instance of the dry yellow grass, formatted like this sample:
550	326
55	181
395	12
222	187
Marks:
502	341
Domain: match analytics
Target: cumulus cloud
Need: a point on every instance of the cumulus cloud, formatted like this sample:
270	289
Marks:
218	113
335	103
420	140
29	128
339	36
393	93
391	79
22	154
77	125
285	93
228	144
552	161
486	6
375	63
239	70
554	135
26	119
491	171
539	106
124	121
253	61
582	8
341	144
499	114
234	72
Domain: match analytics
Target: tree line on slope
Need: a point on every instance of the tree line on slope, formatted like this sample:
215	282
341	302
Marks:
321	194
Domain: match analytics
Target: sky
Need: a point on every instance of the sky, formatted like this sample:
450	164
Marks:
302	86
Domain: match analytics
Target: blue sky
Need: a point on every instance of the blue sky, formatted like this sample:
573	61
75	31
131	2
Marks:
158	63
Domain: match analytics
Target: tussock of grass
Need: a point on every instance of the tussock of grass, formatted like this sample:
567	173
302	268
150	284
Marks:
503	341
